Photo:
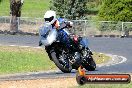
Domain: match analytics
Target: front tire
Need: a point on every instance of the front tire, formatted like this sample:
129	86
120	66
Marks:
58	64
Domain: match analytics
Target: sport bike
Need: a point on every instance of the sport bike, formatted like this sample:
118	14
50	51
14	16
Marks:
65	58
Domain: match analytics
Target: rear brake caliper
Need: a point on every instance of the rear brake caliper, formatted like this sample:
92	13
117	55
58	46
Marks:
86	53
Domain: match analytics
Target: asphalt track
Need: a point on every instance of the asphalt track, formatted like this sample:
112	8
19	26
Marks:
115	46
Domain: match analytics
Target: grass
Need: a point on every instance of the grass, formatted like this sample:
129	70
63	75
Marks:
105	86
18	59
100	58
30	8
4	8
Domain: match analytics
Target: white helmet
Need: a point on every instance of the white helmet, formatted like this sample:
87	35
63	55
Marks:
71	23
50	17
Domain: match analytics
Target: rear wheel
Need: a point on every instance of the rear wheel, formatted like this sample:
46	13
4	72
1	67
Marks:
90	64
63	66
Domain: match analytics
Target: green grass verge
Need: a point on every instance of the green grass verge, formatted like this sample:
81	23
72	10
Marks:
100	58
18	59
34	8
30	8
106	86
4	8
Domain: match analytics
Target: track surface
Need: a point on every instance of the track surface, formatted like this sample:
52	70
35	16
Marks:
115	46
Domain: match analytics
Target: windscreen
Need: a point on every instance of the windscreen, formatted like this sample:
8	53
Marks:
43	32
48	35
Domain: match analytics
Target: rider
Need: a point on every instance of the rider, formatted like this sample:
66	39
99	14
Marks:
59	24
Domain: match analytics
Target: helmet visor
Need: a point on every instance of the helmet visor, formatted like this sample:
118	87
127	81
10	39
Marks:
49	19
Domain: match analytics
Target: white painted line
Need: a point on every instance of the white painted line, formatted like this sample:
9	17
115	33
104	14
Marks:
114	60
124	60
20	46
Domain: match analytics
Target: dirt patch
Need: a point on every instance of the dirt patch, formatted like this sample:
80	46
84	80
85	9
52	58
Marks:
21	49
31	28
40	83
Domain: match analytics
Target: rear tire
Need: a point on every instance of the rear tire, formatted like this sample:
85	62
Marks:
90	64
57	63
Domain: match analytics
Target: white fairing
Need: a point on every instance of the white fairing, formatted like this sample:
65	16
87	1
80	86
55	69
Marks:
52	37
49	38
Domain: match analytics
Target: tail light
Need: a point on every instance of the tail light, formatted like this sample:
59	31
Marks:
75	38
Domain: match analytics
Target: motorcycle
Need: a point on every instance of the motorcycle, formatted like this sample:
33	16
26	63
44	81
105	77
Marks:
65	58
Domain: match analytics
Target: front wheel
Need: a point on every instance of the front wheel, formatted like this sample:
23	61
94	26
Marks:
61	66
